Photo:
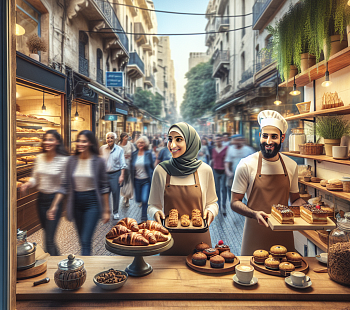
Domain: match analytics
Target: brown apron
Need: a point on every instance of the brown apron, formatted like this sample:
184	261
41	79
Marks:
267	190
184	198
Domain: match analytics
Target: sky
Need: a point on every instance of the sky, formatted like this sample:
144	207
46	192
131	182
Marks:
181	46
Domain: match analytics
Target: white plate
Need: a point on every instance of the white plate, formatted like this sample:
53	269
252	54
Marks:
308	283
252	281
322	259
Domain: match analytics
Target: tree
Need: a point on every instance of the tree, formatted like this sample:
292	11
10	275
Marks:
199	94
145	100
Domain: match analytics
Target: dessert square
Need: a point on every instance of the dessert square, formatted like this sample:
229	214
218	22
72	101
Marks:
312	214
282	214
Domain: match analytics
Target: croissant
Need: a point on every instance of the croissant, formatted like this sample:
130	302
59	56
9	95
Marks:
149	235
159	236
116	231
129	223
131	238
153	225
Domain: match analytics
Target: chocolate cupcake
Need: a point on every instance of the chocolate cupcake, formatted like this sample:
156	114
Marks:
200	247
228	256
210	252
199	259
217	261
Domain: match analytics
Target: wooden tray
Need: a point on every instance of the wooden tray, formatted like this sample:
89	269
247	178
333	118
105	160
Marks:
304	268
299	224
138	247
39	268
228	267
189	229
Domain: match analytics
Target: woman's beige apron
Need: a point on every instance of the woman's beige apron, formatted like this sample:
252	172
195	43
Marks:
184	198
267	190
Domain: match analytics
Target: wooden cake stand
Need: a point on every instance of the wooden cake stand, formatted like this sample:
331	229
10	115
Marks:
139	268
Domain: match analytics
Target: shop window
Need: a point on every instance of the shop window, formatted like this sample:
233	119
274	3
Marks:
29	18
99	71
83	53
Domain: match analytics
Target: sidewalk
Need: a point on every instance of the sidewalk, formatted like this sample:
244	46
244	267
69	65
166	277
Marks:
229	229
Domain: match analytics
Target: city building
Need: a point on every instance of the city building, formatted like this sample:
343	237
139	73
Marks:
197	58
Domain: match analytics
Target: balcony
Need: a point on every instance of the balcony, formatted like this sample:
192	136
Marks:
222	24
147	15
147	47
83	66
99	76
140	38
132	7
150	81
135	67
263	11
209	38
246	75
221	64
222	4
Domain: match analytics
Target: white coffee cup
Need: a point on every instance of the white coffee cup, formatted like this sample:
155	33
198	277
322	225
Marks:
244	273
339	151
298	278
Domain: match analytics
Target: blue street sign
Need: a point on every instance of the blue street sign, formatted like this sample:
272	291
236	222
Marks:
111	117
114	79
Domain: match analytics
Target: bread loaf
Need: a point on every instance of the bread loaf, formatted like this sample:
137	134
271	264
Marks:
116	231
153	225
173	218
131	238
185	220
129	223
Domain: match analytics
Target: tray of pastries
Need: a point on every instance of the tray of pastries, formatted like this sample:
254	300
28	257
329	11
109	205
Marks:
278	261
194	223
305	217
212	260
129	235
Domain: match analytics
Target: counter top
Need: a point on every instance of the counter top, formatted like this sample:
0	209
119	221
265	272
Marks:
172	279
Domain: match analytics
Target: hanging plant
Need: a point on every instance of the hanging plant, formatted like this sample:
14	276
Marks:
36	44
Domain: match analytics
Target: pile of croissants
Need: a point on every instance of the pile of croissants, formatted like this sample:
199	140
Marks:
128	232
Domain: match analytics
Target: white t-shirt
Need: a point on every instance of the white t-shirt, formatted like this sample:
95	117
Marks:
247	168
234	155
140	171
83	176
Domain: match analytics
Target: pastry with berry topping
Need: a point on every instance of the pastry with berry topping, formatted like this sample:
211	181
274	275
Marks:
222	247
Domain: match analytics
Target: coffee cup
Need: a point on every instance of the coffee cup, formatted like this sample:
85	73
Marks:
298	278
244	273
340	152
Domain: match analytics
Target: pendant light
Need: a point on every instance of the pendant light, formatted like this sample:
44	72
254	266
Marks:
349	3
294	92
76	112
43	108
277	101
327	82
19	29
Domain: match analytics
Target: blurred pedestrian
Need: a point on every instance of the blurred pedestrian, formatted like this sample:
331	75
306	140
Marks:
164	154
87	188
115	163
127	191
225	139
219	154
134	136
141	168
203	153
48	174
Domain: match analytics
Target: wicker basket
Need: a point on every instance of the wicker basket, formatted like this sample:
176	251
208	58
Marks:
323	235
311	149
303	107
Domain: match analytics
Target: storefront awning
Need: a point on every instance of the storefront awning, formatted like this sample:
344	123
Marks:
106	93
228	103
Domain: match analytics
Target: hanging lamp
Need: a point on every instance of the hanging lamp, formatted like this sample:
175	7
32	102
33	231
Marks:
277	101
43	108
294	92
327	82
76	112
19	29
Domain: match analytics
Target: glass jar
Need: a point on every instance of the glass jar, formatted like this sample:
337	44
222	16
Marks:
339	251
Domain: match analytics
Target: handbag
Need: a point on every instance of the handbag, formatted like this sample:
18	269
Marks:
127	189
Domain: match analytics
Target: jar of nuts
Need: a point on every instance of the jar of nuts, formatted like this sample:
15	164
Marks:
339	251
71	273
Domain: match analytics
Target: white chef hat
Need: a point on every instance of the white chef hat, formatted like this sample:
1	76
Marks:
272	118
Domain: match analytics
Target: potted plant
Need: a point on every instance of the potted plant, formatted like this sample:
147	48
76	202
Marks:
332	129
35	44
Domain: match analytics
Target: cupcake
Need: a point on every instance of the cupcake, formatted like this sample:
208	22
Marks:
222	247
217	261
200	247
272	263
278	251
286	268
260	256
199	259
210	252
294	258
228	256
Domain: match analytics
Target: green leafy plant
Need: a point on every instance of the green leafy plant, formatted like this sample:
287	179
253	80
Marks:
332	127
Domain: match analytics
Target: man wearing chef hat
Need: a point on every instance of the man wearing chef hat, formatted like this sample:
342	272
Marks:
266	178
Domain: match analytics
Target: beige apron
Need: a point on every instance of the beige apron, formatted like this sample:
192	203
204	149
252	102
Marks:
184	198
267	190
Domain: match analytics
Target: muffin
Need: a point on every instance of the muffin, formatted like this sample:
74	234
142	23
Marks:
222	247
199	259
210	252
294	258
286	268
217	261
260	256
228	256
272	263
278	251
201	246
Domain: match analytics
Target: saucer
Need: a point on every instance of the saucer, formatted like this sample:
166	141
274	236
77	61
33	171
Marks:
252	281
308	283
321	259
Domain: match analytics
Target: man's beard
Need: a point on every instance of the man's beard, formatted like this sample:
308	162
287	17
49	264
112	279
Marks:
270	153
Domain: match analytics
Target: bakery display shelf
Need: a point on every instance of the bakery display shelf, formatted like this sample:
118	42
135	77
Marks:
333	111
29	120
299	224
315	239
339	194
27	154
20	168
336	62
30	134
320	158
228	267
34	143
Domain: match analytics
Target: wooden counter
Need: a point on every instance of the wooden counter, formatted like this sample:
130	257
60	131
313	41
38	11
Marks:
171	279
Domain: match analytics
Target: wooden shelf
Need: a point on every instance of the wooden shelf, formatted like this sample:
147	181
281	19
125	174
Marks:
27	154
335	63
342	195
30	134
313	236
334	111
29	120
319	158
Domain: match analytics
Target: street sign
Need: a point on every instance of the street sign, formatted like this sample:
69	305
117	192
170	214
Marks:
114	79
111	117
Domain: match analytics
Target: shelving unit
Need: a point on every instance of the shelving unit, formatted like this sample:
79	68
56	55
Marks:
313	236
333	111
320	158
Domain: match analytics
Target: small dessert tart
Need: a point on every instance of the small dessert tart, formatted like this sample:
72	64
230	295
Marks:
217	261
228	256
222	247
199	259
260	256
272	263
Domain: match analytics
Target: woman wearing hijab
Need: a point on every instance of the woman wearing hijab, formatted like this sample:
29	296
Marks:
183	183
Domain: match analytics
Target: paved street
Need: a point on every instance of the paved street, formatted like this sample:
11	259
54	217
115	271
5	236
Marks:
229	229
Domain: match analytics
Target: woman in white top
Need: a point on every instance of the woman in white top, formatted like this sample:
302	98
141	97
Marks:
48	173
87	187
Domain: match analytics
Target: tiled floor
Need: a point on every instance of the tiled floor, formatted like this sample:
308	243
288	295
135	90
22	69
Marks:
229	229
